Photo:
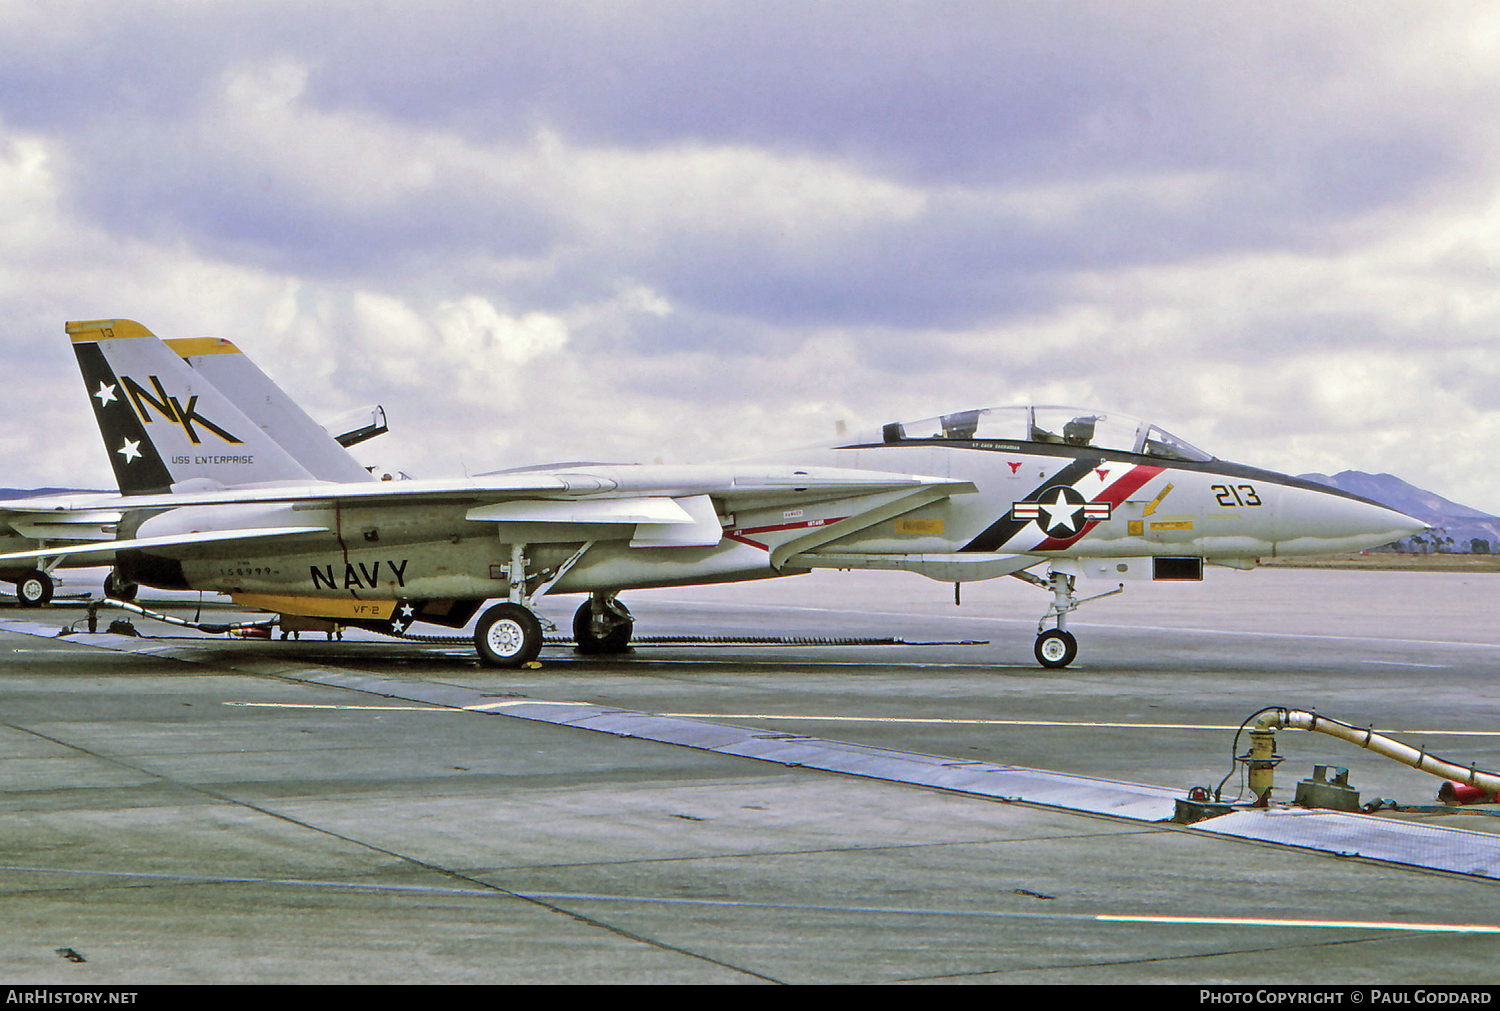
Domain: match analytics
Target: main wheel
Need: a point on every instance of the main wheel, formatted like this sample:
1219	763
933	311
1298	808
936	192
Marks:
119	589
1056	648
34	589
616	640
508	635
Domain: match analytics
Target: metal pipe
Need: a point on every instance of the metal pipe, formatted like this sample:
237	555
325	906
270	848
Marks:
210	627
1417	758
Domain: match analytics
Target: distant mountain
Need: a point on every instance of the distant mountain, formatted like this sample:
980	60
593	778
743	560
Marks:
1457	528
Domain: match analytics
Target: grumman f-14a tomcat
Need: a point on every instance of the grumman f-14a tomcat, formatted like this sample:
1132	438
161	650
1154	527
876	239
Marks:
211	502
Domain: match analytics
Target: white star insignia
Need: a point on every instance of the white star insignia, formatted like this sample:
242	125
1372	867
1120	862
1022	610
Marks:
130	451
106	393
407	611
1061	512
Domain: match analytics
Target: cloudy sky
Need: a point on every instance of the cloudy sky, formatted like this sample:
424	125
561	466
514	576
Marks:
697	230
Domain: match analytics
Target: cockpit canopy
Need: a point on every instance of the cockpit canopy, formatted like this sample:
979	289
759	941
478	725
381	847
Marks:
1047	424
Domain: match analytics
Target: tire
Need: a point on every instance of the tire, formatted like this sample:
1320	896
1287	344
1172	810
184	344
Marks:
34	589
1056	648
616	640
119	589
508	635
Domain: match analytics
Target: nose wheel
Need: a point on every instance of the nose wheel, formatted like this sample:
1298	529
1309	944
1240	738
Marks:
1056	648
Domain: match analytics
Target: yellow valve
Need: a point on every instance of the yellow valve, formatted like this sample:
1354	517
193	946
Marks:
1262	763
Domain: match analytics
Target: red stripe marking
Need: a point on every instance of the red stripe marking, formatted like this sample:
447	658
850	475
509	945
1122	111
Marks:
738	533
1114	495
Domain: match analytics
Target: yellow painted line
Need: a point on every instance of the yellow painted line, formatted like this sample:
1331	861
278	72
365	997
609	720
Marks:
958	721
485	707
1233	921
1030	723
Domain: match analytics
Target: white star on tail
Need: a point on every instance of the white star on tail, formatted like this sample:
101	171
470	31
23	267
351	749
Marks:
130	451
106	393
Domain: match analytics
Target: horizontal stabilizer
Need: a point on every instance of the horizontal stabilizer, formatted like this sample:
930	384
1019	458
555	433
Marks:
632	484
91	526
102	552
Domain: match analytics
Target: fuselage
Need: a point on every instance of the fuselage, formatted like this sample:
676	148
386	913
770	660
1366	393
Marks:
1037	500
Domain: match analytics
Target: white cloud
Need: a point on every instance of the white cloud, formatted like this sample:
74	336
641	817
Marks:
350	160
472	329
29	208
602	198
732	191
1276	234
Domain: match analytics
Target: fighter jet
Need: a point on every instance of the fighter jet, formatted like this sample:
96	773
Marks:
971	495
320	452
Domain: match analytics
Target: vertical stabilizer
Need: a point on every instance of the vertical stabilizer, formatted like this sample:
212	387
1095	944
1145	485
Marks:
164	424
269	407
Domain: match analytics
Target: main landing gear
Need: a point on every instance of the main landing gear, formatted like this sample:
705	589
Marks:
1056	647
117	588
602	624
510	634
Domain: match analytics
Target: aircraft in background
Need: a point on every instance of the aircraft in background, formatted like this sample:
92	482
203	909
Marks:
320	453
971	495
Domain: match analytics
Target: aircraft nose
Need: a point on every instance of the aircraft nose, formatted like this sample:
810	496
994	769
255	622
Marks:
1316	522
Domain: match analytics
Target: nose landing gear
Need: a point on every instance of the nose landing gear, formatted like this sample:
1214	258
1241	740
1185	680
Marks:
1056	647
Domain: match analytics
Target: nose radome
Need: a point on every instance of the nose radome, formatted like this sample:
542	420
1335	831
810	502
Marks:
1316	522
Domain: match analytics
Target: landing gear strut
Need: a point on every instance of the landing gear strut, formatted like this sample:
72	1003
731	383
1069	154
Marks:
602	625
510	634
1056	647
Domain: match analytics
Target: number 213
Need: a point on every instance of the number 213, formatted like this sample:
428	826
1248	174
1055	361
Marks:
1230	496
